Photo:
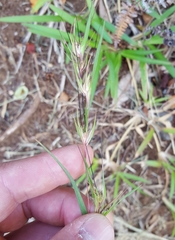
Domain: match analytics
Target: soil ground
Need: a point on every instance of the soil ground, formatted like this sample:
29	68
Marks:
48	112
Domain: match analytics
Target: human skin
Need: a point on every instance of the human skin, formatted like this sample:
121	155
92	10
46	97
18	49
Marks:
32	187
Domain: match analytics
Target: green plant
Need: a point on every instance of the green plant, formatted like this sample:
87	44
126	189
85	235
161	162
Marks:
91	32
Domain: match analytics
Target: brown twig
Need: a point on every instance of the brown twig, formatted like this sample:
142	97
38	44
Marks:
22	119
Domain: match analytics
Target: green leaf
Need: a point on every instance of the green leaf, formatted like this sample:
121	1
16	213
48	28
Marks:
117	185
145	142
77	192
153	40
154	14
68	17
134	177
96	68
129	183
172	185
169	204
144	80
93	167
154	163
114	62
49	32
161	57
145	59
169	130
101	31
39	4
32	18
140	52
86	34
98	23
162	17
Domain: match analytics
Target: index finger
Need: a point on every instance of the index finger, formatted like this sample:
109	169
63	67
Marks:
24	179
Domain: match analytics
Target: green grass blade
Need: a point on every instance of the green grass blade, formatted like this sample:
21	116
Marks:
96	68
90	6
75	21
99	27
94	167
153	163
145	142
172	185
145	59
173	232
141	52
114	62
49	32
129	183
86	34
116	202
162	17
128	194
154	14
144	80
169	130
160	56
32	18
117	185
153	40
77	192
169	204
98	23
39	4
68	17
134	177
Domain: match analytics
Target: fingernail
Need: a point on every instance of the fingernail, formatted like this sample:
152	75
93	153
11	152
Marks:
97	227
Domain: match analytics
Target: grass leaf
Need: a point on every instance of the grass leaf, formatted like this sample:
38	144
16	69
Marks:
145	142
144	80
145	59
31	18
162	17
169	204
169	130
39	4
172	185
77	192
96	69
160	56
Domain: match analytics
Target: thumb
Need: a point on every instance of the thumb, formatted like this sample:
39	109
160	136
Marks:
87	227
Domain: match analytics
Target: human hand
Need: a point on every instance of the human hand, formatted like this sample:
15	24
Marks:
32	188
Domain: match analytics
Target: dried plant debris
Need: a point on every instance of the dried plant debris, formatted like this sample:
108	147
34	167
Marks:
167	34
149	3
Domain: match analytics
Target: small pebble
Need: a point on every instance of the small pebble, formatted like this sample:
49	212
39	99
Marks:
10	93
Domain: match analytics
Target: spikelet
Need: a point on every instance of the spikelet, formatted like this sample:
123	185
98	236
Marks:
125	18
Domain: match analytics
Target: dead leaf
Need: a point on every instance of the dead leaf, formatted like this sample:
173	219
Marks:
146	18
171	82
63	2
63	97
30	48
103	11
33	2
125	88
170	104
